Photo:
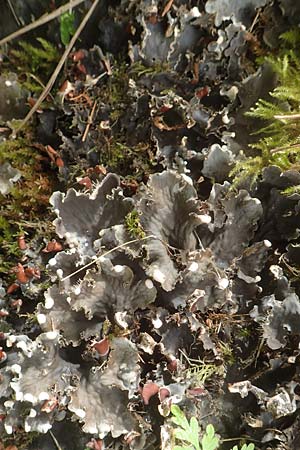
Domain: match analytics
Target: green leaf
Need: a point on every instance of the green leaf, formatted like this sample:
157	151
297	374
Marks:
245	447
179	417
67	27
194	425
209	440
248	447
182	435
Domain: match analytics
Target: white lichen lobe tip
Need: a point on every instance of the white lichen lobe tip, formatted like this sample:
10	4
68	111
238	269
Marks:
8	428
32	413
29	398
159	276
149	284
60	273
19	395
194	266
205	218
43	396
118	268
80	413
9	404
16	368
92	430
41	318
23	346
10	341
223	283
52	262
157	323
51	335
27	427
77	290
49	302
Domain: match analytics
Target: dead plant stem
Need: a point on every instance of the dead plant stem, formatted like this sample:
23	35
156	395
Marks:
55	440
89	122
287	116
59	66
284	148
41	21
104	254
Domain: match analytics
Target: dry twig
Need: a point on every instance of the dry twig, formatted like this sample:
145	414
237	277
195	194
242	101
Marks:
89	122
41	21
107	253
59	66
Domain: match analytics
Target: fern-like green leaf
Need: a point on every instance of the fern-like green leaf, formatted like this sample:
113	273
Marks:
245	447
209	440
179	417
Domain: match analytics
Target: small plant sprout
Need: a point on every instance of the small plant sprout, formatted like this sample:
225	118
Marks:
245	447
187	433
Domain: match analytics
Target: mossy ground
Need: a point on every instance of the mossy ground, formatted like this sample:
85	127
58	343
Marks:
27	201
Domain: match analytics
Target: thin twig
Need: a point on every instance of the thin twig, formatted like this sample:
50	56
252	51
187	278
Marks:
89	122
35	78
55	441
287	116
255	20
283	148
59	66
18	22
41	21
167	8
107	253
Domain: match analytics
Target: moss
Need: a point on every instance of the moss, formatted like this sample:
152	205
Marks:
31	194
35	63
10	251
115	93
280	139
117	147
19	439
138	69
27	200
227	352
133	225
123	159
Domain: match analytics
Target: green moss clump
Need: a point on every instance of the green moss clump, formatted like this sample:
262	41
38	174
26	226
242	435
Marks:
124	159
20	439
31	193
133	225
280	139
35	63
27	200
